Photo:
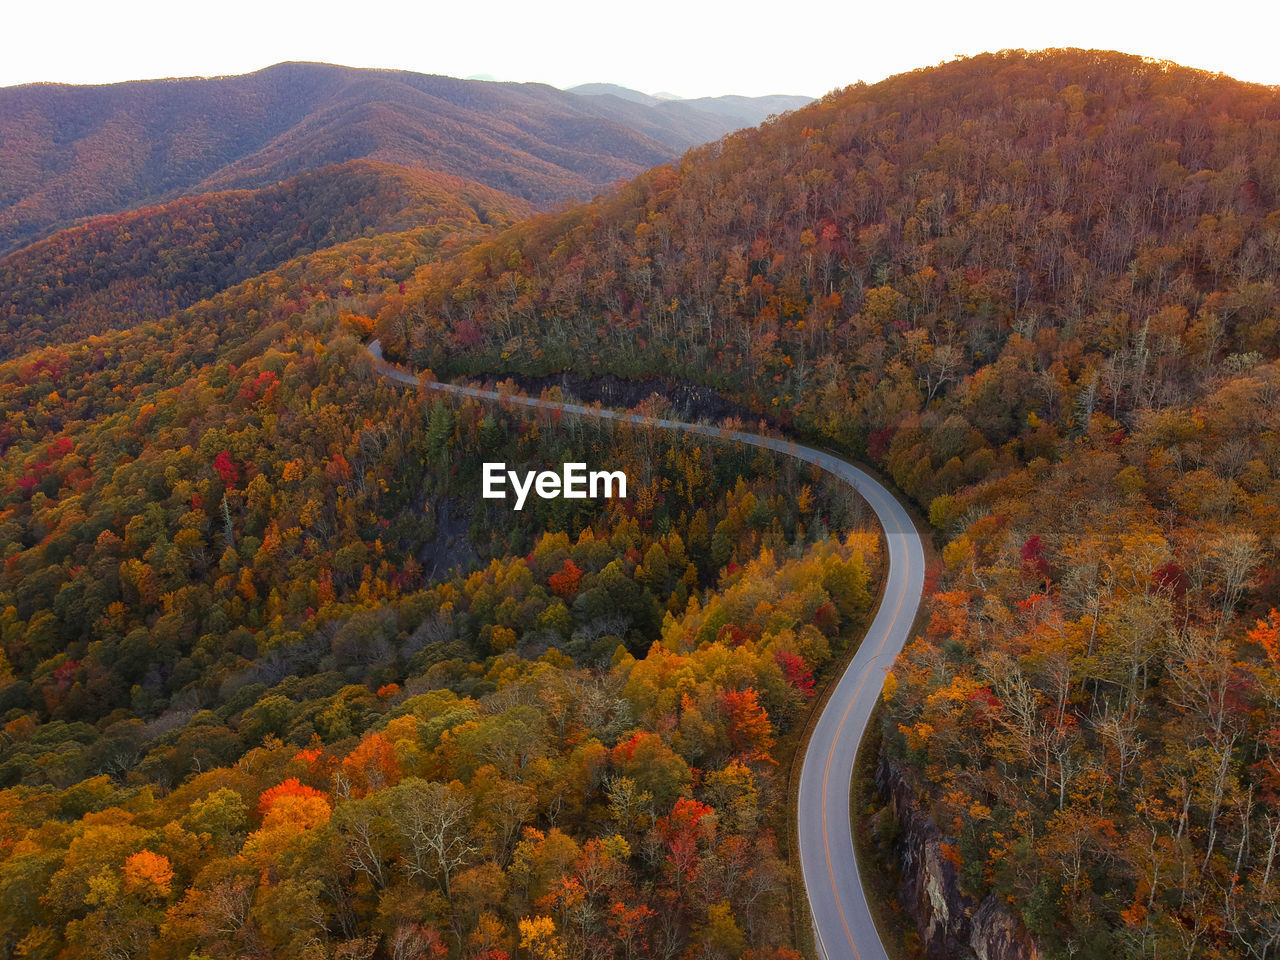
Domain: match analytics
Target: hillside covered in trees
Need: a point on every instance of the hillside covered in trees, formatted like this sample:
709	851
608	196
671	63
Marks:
1040	291
276	682
120	270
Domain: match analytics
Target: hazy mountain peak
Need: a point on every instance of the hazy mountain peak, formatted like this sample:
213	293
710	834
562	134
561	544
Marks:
613	90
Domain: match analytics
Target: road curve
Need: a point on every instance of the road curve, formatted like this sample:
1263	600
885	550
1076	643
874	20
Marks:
842	920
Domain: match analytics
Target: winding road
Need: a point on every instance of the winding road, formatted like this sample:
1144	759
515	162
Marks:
843	925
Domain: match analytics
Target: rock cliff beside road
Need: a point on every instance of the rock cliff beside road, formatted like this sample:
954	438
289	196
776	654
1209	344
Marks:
951	925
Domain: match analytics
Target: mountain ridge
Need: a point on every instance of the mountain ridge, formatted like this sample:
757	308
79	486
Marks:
72	152
120	269
742	110
69	152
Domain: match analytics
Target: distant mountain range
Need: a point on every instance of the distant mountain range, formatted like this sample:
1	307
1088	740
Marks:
738	111
71	152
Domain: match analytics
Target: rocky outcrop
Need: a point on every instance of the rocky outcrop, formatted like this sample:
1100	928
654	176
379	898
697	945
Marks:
951	925
994	934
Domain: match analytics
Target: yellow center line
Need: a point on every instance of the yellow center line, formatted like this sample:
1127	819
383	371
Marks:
826	774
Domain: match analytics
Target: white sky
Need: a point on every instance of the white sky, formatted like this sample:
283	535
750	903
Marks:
689	47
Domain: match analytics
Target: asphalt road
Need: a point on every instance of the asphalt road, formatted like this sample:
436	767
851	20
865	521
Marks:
841	917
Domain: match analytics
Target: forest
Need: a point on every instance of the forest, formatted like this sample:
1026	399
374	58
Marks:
276	681
236	649
1039	291
121	270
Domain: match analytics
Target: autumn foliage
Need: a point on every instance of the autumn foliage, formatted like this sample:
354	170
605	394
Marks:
273	687
148	873
287	788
